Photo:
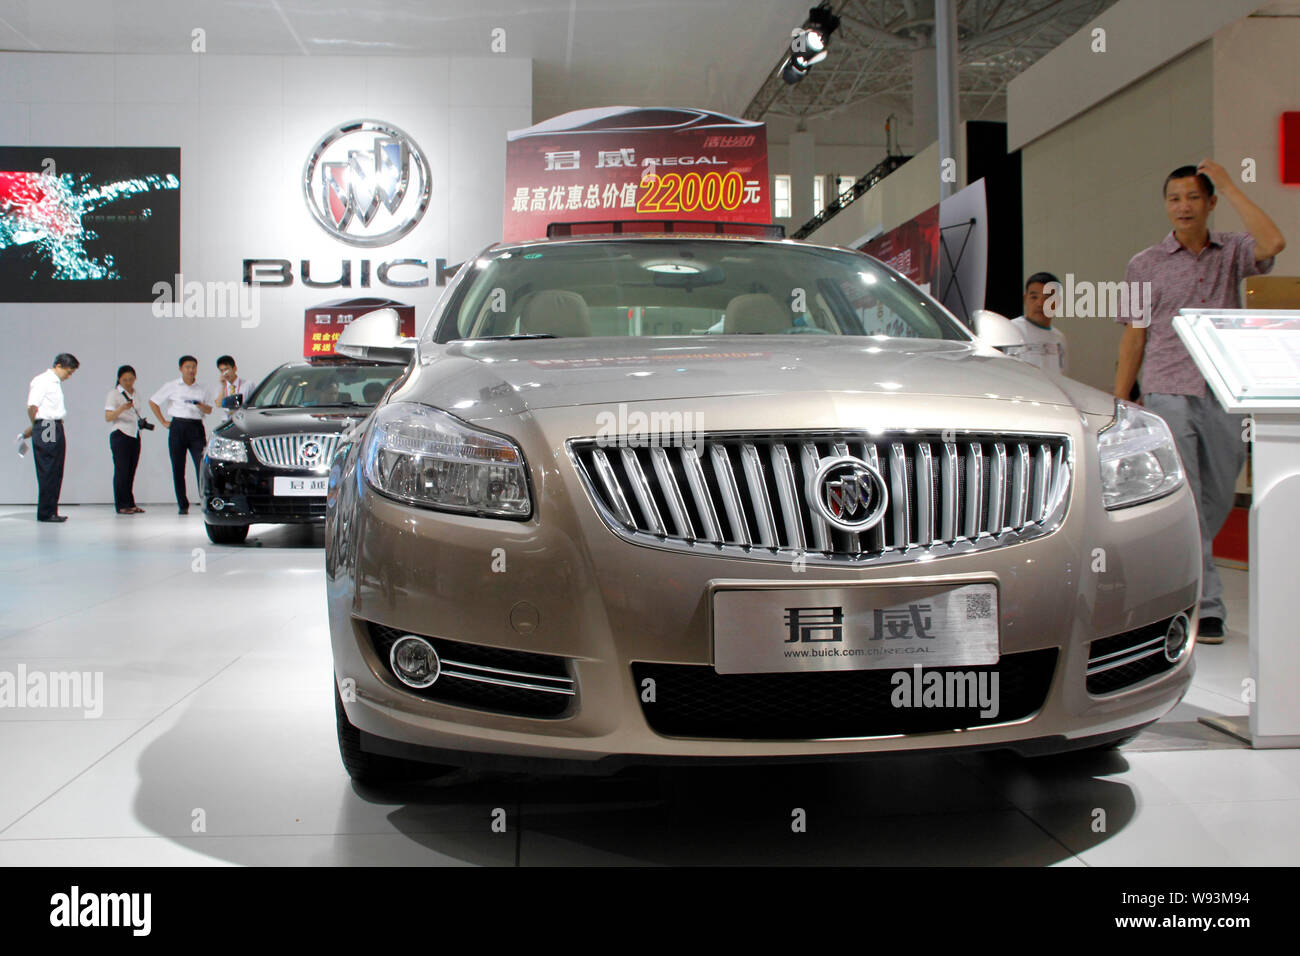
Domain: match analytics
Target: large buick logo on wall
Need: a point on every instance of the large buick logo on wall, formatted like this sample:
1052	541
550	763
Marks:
849	494
367	183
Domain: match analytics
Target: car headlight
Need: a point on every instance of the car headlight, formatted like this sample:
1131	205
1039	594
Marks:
1139	461
423	456
227	449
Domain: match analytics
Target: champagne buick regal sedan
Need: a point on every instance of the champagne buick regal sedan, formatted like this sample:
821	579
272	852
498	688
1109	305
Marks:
685	497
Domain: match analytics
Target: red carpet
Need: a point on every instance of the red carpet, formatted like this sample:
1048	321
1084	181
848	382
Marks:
1233	542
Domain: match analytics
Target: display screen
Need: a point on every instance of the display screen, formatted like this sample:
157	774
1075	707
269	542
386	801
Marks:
88	224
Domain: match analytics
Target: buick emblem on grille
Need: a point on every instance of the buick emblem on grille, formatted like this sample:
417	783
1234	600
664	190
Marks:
848	493
310	451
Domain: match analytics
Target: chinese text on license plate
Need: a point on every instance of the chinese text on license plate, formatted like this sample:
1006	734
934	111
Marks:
301	486
862	627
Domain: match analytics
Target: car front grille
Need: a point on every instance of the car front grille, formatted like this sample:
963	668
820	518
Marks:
693	700
1123	660
749	493
518	683
284	506
295	451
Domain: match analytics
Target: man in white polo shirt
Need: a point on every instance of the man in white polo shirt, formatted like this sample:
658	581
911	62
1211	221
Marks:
180	406
1044	346
46	410
229	383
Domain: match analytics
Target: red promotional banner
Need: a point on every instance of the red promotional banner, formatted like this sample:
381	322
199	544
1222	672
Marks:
323	323
912	248
631	163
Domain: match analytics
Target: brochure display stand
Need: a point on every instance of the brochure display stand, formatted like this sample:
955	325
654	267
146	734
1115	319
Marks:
1251	360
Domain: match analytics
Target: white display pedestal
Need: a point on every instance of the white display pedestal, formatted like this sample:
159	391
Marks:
1251	361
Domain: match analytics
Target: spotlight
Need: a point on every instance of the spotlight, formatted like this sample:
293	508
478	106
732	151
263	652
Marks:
808	43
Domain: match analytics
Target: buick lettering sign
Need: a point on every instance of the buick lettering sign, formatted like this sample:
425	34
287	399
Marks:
848	493
367	183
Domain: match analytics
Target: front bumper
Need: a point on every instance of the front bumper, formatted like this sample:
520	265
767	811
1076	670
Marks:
247	493
562	584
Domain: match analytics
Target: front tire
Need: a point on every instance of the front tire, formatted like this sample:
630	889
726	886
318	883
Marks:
377	769
226	533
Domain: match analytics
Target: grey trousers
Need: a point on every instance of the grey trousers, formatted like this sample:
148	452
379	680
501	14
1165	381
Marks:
1211	443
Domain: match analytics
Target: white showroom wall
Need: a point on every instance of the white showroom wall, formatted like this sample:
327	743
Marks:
244	125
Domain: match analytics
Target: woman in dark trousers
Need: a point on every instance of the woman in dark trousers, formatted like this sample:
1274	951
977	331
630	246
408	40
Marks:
123	439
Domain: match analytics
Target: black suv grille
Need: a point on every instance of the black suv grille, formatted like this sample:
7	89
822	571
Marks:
489	678
696	701
287	506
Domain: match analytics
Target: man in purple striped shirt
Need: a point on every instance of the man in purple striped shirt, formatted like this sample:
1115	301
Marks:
1193	267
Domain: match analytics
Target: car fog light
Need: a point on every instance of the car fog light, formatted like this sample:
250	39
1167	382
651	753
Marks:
1176	638
414	661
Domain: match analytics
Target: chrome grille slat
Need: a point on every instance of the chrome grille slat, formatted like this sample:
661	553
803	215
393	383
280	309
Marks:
612	487
974	489
1136	655
672	492
787	491
876	536
924	468
948	492
1019	487
821	530
1042	476
749	493
449	670
1157	642
694	470
997	487
898	495
758	496
725	476
641	491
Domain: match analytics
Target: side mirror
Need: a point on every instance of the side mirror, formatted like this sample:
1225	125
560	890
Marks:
376	336
232	401
996	331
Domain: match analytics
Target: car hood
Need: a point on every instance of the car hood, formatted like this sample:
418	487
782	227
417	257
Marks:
492	379
257	422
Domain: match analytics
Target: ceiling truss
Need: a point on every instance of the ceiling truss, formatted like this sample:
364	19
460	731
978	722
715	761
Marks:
871	54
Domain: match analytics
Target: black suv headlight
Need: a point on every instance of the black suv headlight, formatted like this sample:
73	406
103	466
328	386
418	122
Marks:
227	449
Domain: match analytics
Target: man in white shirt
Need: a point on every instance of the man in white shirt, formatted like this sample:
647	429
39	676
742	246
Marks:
1044	346
180	406
229	383
46	410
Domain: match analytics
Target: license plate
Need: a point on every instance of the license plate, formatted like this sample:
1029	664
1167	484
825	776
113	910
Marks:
865	627
311	487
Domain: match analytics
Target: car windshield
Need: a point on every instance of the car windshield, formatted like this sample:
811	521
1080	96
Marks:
307	386
684	286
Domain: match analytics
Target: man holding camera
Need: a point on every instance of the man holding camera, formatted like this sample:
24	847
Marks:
185	402
229	385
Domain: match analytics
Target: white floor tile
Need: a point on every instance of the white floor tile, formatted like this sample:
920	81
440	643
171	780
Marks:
217	698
